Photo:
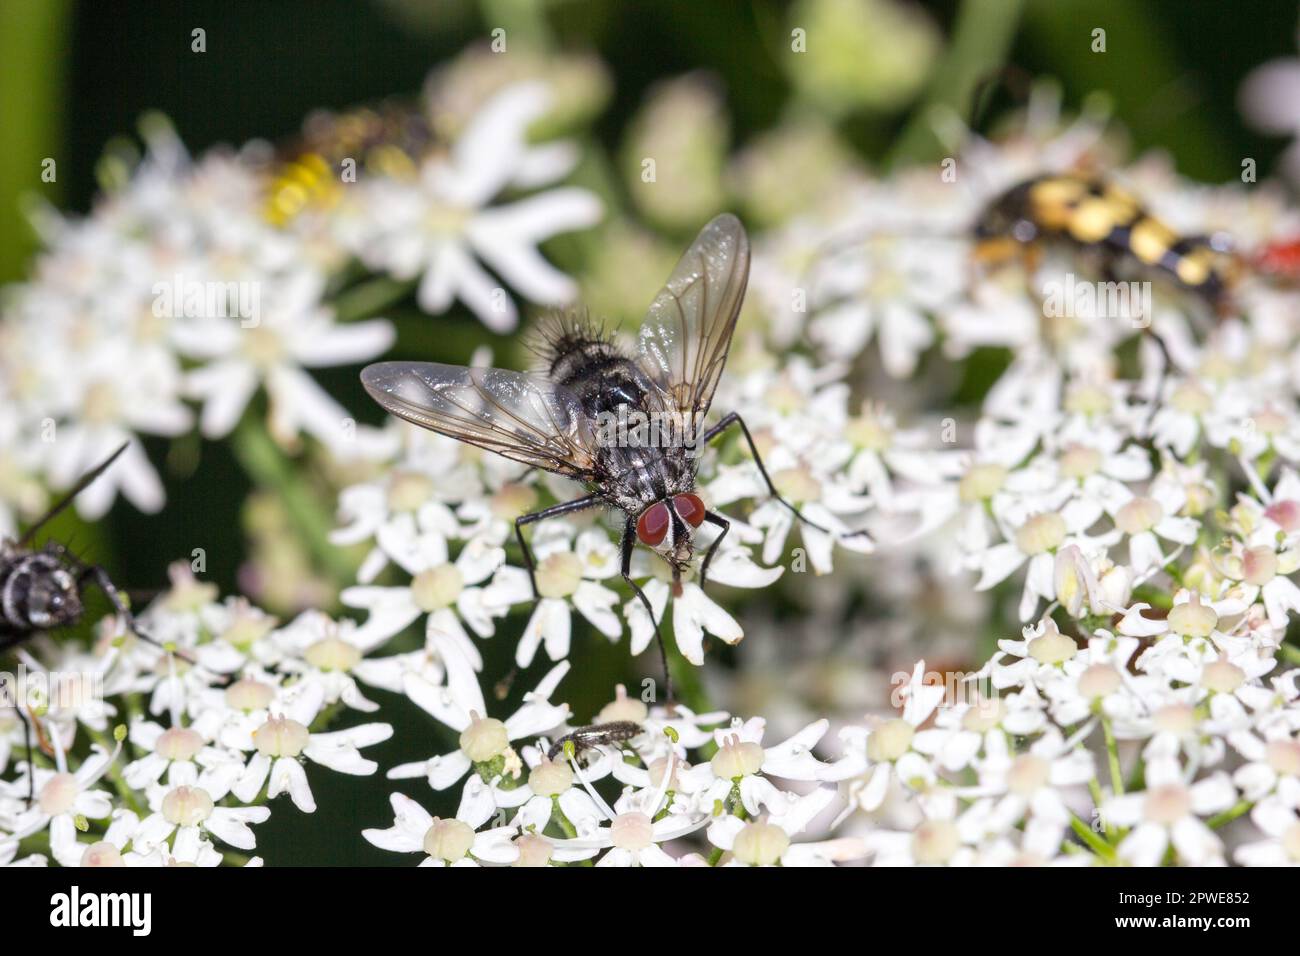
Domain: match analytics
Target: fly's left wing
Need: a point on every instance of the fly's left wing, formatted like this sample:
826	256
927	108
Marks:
524	417
687	330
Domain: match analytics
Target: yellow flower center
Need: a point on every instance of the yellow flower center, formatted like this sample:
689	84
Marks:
760	844
437	588
1041	533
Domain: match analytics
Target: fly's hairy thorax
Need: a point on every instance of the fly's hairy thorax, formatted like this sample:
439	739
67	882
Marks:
641	459
602	377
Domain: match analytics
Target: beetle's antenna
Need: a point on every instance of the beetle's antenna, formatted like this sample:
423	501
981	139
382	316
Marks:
86	480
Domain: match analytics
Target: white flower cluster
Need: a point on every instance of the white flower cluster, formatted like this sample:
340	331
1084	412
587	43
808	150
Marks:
1125	493
208	734
181	275
1149	513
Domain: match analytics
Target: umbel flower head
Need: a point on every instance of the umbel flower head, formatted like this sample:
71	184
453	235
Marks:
1089	527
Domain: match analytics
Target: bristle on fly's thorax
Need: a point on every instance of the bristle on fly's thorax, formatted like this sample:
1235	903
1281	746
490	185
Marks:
571	347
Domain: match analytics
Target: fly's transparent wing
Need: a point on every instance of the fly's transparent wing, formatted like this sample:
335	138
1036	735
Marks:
524	417
687	331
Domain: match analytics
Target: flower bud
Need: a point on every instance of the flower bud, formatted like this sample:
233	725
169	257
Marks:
448	840
1222	676
1138	515
437	588
550	778
186	806
1099	680
102	854
1052	647
1193	619
332	654
281	737
484	738
737	758
1041	533
632	831
981	482
760	844
178	743
935	841
890	740
559	574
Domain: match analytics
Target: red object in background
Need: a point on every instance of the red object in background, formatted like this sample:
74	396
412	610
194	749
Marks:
1280	259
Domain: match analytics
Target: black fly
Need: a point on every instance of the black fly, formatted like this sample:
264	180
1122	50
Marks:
41	589
628	425
585	738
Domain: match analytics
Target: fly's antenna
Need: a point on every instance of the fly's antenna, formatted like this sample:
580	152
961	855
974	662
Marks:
85	482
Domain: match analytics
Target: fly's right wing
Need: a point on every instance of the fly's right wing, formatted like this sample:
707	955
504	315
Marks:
524	417
687	330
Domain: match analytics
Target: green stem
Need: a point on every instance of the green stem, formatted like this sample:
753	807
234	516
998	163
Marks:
33	80
1112	757
523	20
738	811
688	684
1227	816
114	773
1094	789
561	820
566	825
262	459
364	299
1095	843
981	37
1290	653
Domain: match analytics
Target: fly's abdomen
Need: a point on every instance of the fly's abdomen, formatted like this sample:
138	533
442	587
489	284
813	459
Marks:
16	578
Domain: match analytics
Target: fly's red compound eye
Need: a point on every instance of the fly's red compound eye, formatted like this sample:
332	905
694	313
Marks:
652	526
690	509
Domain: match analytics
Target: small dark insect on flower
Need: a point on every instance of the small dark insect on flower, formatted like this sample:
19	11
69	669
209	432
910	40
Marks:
42	589
585	738
571	417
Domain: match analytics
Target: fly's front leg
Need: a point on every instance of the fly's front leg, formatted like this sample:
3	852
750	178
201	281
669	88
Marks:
716	519
734	419
31	757
627	546
94	573
567	507
10	638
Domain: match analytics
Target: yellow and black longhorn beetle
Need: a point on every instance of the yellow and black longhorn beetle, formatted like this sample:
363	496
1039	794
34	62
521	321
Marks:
1094	215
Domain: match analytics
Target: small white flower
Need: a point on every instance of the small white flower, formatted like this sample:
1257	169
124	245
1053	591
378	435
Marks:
444	842
439	226
1169	811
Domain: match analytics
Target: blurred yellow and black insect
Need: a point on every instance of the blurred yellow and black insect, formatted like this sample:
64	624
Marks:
1099	219
389	139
